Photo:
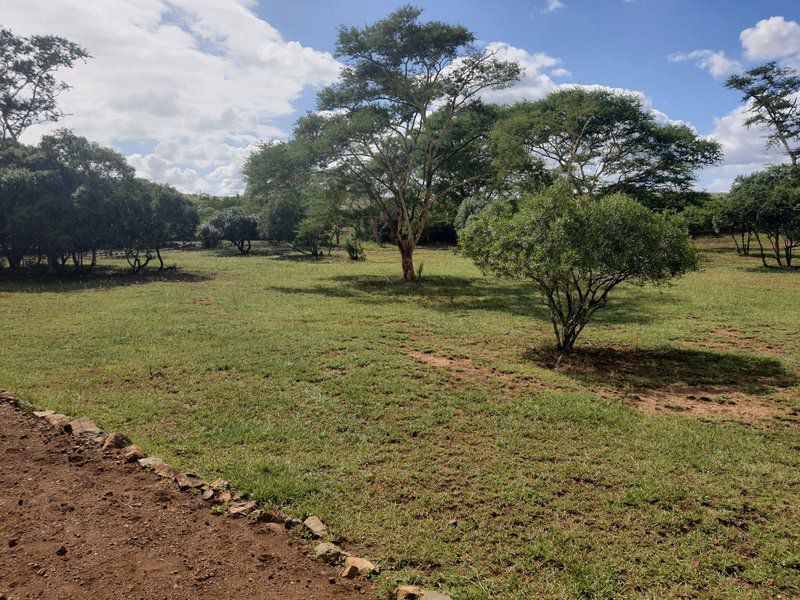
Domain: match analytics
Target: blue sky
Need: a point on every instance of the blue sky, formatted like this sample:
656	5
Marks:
186	89
616	43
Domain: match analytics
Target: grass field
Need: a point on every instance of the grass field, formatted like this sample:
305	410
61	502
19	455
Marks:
431	426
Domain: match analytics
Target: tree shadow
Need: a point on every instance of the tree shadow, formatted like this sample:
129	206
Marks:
101	277
647	368
451	293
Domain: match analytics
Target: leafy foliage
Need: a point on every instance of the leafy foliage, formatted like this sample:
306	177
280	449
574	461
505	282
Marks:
390	125
69	197
765	204
576	250
28	87
771	92
604	142
236	227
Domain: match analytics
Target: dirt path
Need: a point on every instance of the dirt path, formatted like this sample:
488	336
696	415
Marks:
74	524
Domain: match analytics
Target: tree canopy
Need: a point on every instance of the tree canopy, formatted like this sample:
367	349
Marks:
576	249
604	142
388	121
771	93
28	85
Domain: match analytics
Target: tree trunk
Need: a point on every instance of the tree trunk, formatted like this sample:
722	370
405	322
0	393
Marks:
52	264
407	259
160	260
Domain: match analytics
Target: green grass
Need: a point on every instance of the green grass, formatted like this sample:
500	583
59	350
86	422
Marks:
504	474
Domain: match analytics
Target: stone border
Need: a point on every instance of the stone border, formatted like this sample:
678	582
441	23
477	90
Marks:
222	499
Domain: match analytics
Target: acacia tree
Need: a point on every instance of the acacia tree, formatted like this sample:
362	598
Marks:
390	114
604	142
576	250
28	86
771	93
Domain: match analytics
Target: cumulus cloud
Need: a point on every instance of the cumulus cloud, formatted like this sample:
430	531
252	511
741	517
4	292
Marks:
196	82
744	150
535	82
715	63
772	38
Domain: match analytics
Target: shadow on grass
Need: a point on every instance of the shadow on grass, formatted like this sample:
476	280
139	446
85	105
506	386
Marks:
37	281
626	368
453	293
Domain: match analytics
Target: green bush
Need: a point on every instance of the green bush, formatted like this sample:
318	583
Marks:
355	251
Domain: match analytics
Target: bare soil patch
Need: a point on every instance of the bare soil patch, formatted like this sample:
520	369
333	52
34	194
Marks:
718	403
76	524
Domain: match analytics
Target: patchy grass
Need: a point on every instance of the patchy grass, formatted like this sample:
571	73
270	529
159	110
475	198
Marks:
432	426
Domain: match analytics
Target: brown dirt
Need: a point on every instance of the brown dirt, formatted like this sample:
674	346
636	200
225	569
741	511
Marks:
711	402
76	524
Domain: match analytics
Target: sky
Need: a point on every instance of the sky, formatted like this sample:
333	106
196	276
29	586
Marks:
186	89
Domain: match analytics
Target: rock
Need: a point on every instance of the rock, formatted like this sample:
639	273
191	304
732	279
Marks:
275	528
132	453
292	523
242	508
8	396
83	426
150	461
225	496
43	413
208	494
330	553
353	565
219	485
57	420
162	469
414	592
22	404
258	516
315	526
61	551
189	481
116	440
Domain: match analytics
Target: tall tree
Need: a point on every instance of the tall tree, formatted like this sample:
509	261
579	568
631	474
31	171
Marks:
28	86
771	92
604	142
403	84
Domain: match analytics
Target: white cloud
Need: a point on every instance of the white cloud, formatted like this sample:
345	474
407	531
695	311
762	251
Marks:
534	83
198	81
744	151
553	6
771	38
715	63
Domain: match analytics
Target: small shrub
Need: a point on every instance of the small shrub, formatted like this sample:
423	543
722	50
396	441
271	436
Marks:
355	250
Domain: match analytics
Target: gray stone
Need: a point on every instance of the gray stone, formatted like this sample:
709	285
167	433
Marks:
241	508
162	469
315	526
330	553
83	426
116	441
189	481
150	461
57	420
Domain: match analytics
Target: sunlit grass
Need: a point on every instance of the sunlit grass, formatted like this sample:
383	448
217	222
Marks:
497	472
